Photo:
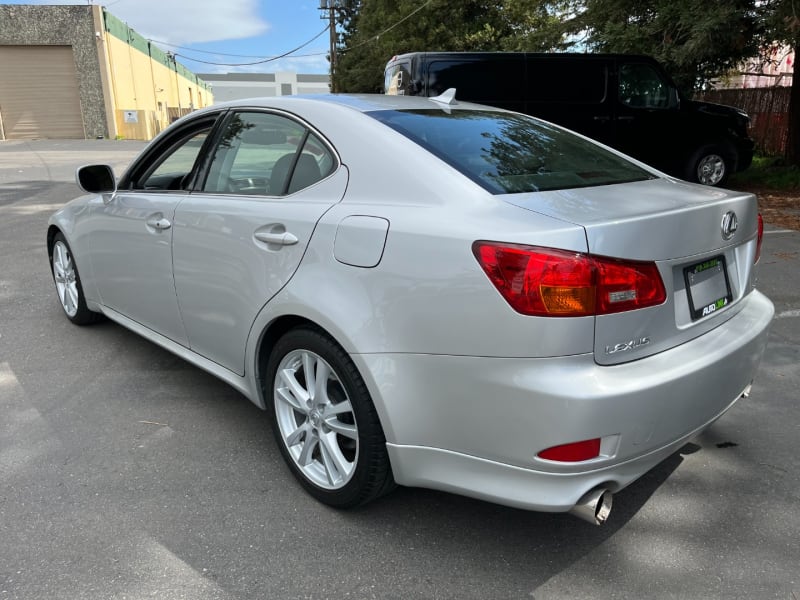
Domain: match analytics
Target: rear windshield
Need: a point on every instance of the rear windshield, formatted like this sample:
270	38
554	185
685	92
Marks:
509	153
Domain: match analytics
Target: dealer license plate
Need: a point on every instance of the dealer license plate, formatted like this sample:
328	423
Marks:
707	287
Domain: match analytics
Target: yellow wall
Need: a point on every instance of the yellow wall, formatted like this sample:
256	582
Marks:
156	92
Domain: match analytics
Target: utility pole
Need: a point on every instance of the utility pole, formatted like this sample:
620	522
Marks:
329	8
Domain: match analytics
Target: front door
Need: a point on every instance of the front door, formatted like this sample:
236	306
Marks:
131	253
648	126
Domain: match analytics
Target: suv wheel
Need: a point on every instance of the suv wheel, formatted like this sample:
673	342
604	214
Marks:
711	165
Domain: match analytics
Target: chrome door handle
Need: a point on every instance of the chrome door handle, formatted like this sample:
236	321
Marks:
283	238
159	224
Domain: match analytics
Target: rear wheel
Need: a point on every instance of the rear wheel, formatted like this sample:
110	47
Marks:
711	165
324	420
68	284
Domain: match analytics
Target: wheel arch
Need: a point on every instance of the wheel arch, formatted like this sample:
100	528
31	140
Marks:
276	328
52	231
267	340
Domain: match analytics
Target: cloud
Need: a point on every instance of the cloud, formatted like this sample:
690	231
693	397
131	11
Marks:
186	21
191	21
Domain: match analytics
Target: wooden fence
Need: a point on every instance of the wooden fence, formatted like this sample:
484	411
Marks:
768	109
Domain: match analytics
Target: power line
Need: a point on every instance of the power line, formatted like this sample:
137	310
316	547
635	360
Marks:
258	62
162	43
285	54
387	30
375	37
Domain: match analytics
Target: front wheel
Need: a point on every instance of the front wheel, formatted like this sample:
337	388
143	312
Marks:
68	284
711	165
324	420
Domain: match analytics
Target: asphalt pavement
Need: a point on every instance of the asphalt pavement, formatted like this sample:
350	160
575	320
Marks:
126	473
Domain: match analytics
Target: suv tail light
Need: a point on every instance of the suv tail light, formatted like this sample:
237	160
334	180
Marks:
760	238
557	283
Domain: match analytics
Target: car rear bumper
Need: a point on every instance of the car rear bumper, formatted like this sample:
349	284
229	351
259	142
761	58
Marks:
474	425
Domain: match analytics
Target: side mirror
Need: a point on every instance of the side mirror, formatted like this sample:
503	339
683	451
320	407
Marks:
96	179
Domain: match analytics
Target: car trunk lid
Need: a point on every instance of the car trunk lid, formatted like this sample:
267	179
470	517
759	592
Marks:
706	269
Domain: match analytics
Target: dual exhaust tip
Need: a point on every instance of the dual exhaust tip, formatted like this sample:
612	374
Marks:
594	507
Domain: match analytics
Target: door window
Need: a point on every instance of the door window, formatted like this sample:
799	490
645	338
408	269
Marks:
265	154
492	81
397	79
566	81
641	86
173	170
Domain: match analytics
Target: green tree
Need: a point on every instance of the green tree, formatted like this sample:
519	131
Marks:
381	29
695	41
781	21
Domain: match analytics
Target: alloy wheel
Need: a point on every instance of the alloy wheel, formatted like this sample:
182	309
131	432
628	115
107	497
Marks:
315	419
66	278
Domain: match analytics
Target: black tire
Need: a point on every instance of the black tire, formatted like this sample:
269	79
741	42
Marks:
711	165
364	454
68	283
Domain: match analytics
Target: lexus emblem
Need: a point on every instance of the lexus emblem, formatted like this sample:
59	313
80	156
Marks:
729	225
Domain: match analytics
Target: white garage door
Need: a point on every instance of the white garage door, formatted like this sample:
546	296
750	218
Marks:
39	93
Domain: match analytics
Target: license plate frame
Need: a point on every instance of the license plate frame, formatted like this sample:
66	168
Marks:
708	288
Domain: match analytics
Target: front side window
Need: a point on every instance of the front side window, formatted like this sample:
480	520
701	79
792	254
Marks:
509	153
641	86
173	168
265	154
396	80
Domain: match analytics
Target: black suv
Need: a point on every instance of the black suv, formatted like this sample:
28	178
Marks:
625	101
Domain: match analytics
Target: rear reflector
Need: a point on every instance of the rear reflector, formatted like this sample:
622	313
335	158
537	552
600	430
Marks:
557	283
574	452
760	237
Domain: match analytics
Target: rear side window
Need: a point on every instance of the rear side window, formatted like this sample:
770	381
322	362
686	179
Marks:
263	154
641	86
494	81
571	81
507	153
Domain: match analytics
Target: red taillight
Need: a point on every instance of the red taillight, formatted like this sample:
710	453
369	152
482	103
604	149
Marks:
574	452
760	237
557	283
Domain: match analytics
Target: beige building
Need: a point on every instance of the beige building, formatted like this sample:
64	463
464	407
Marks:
236	86
79	72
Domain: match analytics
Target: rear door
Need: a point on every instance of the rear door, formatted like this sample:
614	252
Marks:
241	235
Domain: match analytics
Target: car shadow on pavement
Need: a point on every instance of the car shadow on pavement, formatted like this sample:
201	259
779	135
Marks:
515	545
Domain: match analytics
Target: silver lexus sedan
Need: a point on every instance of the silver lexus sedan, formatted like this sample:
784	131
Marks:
428	293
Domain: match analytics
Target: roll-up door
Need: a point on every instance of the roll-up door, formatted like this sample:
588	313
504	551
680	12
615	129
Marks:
39	95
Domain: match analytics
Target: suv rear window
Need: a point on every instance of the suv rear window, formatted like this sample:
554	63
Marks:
507	153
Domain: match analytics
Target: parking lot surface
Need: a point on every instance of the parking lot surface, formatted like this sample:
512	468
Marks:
127	473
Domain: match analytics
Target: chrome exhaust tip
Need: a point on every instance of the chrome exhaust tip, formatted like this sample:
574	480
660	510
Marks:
594	507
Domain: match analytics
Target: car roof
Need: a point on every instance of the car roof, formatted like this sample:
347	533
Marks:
359	102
